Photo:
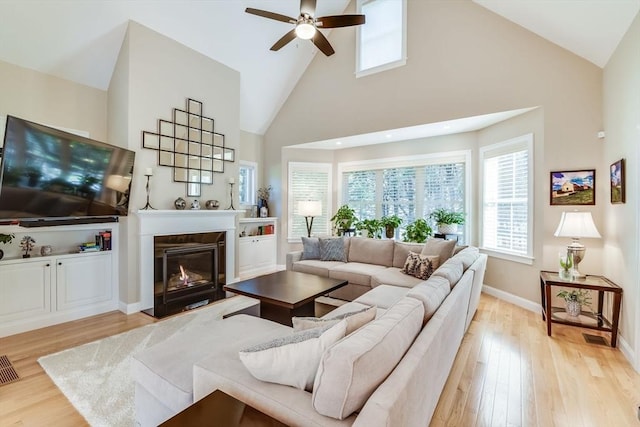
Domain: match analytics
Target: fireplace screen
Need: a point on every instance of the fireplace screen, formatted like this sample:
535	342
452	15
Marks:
189	267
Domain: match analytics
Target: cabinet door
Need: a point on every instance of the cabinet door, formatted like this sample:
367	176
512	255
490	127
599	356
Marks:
246	254
83	280
265	248
25	290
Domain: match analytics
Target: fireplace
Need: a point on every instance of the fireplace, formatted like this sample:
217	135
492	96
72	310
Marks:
189	271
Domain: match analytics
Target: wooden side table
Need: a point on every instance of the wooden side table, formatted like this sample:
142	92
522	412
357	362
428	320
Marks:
595	320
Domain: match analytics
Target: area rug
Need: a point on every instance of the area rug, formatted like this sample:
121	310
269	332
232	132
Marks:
96	378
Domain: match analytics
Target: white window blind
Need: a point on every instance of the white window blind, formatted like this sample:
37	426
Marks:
507	197
247	186
381	40
409	191
309	181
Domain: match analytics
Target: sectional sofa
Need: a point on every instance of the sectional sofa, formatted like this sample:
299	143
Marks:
389	372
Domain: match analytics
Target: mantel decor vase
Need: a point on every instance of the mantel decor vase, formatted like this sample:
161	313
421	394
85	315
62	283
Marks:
263	208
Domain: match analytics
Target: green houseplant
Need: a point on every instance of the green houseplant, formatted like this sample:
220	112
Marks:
418	231
574	300
372	227
344	220
5	239
390	223
447	220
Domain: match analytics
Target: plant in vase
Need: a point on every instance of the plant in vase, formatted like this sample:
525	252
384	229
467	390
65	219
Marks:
263	199
5	239
372	227
27	244
344	220
418	231
447	220
566	264
574	300
390	223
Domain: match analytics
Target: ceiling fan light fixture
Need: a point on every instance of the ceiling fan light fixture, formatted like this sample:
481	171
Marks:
305	30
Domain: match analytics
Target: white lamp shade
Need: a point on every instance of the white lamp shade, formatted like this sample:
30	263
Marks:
310	208
577	224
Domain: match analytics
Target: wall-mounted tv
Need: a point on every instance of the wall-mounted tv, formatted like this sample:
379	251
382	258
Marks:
49	173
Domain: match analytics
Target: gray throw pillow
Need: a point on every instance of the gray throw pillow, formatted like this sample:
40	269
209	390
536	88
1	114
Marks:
310	248
332	249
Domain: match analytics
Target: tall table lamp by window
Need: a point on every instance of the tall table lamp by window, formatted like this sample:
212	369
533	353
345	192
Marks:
577	225
309	209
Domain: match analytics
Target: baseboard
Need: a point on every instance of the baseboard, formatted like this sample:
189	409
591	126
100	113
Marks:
628	352
129	308
513	299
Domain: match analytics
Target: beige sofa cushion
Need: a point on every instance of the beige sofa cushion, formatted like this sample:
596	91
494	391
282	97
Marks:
355	272
383	296
467	256
393	276
293	359
352	369
451	270
371	251
401	252
317	267
442	248
431	293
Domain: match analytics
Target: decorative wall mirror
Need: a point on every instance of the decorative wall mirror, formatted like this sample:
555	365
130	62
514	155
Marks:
190	145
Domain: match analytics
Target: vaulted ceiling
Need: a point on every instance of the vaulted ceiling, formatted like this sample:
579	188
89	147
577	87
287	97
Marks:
80	40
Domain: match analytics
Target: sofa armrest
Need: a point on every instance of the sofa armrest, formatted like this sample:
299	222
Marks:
293	257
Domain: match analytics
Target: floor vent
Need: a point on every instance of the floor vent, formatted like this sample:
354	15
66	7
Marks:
595	339
7	373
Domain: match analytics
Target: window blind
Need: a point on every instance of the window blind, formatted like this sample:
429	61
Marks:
309	181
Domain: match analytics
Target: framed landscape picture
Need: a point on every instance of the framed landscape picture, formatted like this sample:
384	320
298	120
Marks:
616	176
573	187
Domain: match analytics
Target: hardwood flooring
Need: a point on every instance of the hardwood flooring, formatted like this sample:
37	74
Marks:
507	373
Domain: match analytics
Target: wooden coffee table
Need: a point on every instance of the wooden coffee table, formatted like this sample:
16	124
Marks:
285	294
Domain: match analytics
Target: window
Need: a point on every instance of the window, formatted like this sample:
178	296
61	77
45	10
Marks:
507	198
309	181
409	188
381	43
247	183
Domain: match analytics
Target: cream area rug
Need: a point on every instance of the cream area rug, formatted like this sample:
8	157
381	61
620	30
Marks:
95	377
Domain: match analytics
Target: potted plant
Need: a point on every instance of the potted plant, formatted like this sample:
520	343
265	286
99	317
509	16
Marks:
574	300
344	220
5	239
372	227
390	223
27	244
447	220
418	231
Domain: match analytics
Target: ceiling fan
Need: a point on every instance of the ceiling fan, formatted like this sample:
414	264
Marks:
306	25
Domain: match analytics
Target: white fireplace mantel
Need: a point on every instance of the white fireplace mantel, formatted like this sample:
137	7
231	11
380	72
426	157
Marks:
167	222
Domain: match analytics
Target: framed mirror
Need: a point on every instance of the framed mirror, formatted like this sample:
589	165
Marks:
150	140
180	117
194	107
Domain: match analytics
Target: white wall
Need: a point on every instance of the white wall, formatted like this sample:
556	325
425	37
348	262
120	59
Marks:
463	61
621	258
153	75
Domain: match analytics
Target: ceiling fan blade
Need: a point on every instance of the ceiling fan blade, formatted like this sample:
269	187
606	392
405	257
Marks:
271	15
322	43
308	7
284	40
340	21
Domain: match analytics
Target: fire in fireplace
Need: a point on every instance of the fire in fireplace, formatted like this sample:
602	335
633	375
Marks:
189	271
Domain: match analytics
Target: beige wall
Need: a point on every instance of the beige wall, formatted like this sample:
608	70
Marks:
49	100
621	228
252	150
153	75
462	61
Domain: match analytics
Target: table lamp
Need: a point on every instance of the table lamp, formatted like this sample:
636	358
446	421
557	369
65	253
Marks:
309	209
576	225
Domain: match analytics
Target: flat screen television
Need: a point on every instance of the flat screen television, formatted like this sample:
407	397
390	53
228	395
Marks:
49	173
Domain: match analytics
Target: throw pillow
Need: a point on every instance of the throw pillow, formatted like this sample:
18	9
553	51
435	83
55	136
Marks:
355	320
332	249
292	360
419	266
442	248
310	248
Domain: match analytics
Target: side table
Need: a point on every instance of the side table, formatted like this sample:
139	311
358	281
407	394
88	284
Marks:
595	320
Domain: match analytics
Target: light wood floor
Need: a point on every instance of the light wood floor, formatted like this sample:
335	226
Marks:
507	372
